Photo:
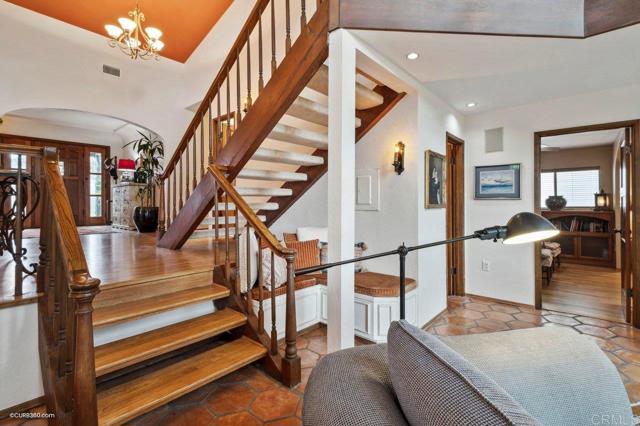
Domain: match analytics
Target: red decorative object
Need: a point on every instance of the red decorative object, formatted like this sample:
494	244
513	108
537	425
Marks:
126	164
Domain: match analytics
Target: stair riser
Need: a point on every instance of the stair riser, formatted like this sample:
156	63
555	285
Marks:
283	157
111	295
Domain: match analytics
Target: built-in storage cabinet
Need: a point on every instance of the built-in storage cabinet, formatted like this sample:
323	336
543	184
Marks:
586	236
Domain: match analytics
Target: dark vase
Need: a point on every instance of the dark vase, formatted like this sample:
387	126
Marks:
146	218
556	202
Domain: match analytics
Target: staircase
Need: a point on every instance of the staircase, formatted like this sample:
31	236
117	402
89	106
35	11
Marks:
257	142
271	146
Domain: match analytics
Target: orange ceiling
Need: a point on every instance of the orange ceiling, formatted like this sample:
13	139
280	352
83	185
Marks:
184	22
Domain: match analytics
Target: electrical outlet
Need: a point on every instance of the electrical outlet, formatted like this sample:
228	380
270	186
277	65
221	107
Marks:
485	266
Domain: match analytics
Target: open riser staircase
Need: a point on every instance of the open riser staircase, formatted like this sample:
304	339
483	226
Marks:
271	142
257	142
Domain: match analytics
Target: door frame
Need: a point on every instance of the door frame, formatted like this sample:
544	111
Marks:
634	126
106	179
455	215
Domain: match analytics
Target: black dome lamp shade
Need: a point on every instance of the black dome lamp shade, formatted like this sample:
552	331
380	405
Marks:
524	227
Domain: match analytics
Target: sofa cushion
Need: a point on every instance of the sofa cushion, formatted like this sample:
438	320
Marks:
435	385
559	376
308	253
352	387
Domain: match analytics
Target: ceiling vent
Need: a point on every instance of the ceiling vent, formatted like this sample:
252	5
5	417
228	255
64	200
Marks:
493	140
111	70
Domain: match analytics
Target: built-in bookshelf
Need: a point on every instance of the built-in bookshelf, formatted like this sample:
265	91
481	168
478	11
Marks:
586	236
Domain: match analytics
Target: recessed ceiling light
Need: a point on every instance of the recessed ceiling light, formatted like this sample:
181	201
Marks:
412	56
471	104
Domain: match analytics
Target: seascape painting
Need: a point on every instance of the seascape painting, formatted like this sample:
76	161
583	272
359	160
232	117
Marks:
498	182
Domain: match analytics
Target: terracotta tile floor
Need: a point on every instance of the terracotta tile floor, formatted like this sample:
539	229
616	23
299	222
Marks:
250	397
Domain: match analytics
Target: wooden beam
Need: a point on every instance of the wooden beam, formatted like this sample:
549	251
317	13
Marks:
601	16
545	18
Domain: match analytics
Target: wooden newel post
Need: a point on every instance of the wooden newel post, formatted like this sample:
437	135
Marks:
291	367
85	403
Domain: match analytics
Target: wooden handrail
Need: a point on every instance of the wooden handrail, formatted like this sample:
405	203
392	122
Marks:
35	151
231	59
249	214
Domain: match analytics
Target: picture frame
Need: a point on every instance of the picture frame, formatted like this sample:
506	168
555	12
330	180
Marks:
499	182
435	180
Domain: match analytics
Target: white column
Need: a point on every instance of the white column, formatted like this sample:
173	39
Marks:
341	197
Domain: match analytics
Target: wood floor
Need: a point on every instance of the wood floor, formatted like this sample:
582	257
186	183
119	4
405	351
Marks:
585	290
119	257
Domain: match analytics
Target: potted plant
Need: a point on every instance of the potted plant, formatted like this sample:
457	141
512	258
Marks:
150	150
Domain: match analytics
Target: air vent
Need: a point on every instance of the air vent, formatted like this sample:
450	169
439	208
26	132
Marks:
493	140
111	70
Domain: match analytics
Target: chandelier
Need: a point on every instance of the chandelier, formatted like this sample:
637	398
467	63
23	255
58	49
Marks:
132	39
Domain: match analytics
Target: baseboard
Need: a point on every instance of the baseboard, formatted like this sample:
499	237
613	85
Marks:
22	407
494	300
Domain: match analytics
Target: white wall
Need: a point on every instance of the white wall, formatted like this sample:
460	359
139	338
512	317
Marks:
41	129
52	64
309	210
511	275
396	221
19	361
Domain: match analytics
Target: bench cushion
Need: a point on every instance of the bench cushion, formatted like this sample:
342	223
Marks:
434	382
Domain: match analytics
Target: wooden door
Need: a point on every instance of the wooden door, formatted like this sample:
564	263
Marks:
71	161
625	224
455	215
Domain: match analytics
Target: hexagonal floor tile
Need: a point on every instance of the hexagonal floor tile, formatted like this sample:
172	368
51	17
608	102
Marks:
561	319
507	309
275	404
499	316
238	419
449	330
230	398
475	306
187	416
517	324
594	331
308	358
529	317
493	325
290	421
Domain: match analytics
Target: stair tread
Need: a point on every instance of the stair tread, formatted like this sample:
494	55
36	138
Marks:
312	111
365	97
273	175
294	135
286	157
128	400
259	192
132	350
138	308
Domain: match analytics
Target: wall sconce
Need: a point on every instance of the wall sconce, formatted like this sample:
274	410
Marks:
602	200
398	158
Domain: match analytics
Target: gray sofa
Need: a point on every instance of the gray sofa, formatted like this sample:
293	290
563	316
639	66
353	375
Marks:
556	375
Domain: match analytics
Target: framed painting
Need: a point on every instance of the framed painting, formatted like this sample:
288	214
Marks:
500	182
435	178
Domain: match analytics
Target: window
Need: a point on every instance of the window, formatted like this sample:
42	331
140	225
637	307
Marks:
95	184
576	186
13	161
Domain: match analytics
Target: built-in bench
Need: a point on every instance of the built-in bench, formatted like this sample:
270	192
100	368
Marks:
376	303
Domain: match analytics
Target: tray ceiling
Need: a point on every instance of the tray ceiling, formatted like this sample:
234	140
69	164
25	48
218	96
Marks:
184	23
